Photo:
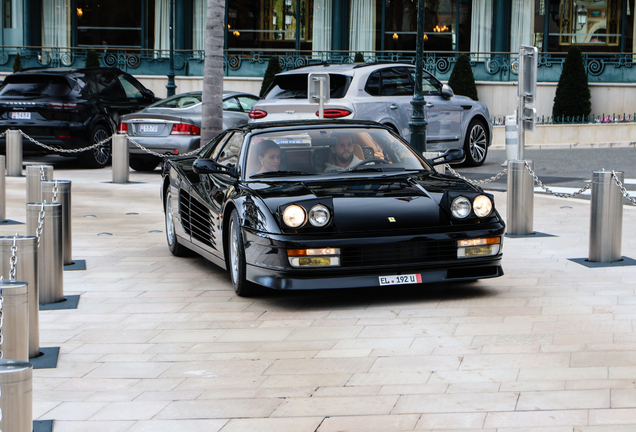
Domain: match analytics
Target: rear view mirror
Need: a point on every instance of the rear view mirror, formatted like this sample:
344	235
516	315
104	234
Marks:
447	92
208	166
449	156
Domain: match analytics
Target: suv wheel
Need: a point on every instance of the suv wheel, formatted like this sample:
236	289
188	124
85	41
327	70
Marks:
98	157
476	144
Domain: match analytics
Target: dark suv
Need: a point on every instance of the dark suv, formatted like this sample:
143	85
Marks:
70	108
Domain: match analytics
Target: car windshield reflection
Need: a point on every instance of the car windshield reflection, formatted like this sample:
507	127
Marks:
325	152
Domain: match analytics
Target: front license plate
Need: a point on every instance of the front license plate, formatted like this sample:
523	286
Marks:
149	128
21	115
401	279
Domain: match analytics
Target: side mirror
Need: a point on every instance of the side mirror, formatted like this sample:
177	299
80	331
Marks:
447	92
208	166
149	94
449	156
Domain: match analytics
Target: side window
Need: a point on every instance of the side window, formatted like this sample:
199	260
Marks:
247	102
106	85
130	87
430	85
373	84
396	82
214	147
231	104
229	155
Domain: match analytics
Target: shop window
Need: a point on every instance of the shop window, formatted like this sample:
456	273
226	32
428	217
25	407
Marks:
109	24
589	22
6	14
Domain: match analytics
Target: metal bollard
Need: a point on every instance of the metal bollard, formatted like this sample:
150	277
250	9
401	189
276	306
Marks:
3	191
50	251
606	221
16	396
14	153
520	209
120	159
63	197
26	270
15	316
34	181
512	142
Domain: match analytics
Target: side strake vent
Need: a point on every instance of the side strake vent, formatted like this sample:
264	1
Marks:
195	219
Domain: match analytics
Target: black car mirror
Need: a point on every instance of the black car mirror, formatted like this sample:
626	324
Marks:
447	91
208	166
149	94
449	156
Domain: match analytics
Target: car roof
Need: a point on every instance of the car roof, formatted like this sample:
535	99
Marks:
345	69
298	124
65	71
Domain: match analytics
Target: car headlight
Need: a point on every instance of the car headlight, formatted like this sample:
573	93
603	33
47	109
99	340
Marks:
319	215
460	207
482	206
294	216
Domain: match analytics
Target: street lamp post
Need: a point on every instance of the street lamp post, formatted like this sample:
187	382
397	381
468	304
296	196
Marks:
418	123
171	86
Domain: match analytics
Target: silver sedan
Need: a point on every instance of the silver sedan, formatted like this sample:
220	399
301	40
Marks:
173	126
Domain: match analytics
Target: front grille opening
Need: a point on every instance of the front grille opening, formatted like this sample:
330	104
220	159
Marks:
473	272
414	252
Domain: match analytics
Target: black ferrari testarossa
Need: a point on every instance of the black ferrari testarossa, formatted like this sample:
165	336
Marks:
328	204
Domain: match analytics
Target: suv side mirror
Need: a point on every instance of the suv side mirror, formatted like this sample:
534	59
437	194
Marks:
149	94
208	166
449	156
447	92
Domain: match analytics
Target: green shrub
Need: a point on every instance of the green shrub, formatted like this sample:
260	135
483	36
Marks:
273	67
359	58
572	97
462	80
17	63
92	59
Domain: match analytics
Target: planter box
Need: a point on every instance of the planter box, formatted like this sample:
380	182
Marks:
574	135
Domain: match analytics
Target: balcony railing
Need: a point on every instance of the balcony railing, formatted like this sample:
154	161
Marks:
601	67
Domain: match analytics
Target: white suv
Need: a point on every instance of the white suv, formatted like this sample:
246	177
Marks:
383	93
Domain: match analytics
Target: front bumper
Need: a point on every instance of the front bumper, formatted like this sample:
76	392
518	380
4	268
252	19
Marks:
364	259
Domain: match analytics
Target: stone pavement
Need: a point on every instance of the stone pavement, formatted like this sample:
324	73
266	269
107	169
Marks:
161	343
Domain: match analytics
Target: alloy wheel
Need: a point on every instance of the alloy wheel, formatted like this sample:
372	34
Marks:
169	219
478	143
101	153
234	252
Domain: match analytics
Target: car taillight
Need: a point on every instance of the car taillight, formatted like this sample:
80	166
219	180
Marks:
59	105
257	114
334	113
185	129
123	128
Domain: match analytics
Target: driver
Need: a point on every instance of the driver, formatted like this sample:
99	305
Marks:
344	159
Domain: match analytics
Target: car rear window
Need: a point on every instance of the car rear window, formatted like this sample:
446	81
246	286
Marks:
295	86
35	85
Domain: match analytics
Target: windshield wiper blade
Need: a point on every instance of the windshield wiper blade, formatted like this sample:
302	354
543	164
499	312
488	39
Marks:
278	173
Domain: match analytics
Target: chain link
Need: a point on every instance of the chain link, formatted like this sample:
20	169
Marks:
1	135
14	259
42	176
550	191
38	231
161	155
622	188
55	191
59	150
477	182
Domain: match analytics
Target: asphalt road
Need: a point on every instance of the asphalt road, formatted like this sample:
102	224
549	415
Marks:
569	168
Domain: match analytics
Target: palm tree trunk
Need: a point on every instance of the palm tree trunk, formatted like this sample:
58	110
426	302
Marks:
212	115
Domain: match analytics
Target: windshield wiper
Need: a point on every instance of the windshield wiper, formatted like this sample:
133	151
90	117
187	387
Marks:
279	173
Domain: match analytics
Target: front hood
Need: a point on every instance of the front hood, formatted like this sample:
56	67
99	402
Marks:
372	204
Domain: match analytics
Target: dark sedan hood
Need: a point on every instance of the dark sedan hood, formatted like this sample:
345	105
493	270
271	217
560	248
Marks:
369	204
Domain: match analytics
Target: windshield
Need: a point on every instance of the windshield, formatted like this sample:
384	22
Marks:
179	101
35	85
295	86
326	152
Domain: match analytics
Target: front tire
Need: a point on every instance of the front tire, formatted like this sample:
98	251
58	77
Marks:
98	157
173	245
236	259
476	144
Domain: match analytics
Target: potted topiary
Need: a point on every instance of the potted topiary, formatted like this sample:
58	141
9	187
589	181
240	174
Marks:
572	98
273	67
462	80
92	59
359	58
17	63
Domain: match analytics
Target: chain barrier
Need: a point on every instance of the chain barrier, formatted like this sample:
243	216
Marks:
551	192
55	191
622	188
1	135
13	261
42	176
59	150
38	231
161	155
477	182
